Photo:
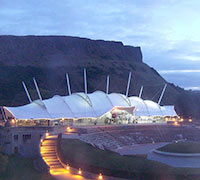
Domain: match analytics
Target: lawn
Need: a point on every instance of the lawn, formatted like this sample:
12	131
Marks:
182	147
83	155
19	168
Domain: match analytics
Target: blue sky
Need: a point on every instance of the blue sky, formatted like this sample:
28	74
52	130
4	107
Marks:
168	31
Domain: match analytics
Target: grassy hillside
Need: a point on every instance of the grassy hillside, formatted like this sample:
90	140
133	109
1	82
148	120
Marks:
79	154
19	168
52	80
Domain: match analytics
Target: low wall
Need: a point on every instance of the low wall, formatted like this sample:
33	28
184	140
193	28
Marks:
176	159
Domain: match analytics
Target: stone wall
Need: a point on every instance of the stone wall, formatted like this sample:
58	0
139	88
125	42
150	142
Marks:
22	140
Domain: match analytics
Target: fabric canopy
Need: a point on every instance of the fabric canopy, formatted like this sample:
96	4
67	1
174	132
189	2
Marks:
80	105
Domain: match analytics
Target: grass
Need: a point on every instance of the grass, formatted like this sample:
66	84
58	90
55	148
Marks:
182	147
83	155
19	168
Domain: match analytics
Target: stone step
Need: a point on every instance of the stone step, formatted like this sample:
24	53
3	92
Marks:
56	166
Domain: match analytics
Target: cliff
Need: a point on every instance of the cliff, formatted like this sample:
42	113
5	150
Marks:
54	51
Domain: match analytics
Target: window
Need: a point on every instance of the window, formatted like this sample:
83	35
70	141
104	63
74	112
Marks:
16	137
16	150
26	137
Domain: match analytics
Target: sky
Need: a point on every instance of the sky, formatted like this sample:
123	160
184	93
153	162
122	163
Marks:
168	31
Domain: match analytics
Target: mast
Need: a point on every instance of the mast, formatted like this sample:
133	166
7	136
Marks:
37	89
107	84
128	84
141	91
161	96
68	84
85	81
3	113
27	93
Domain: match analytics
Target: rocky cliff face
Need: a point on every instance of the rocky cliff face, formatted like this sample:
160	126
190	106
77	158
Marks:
55	51
48	58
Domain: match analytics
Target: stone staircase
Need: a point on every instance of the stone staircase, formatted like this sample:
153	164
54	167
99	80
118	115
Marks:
49	154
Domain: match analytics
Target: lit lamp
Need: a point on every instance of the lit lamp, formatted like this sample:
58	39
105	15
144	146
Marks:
181	120
67	167
190	120
79	171
68	129
175	123
100	176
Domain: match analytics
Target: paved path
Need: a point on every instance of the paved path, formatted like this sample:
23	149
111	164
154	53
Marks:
65	176
176	159
139	148
49	154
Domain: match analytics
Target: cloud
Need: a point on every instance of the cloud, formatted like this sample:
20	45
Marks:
194	88
189	57
179	71
185	79
167	31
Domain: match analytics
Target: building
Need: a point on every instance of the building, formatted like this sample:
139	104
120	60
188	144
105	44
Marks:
89	108
97	107
22	140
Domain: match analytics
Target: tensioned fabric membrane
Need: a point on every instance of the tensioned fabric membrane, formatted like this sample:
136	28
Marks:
81	105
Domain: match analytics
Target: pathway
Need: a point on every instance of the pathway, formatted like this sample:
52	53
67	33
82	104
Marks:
49	154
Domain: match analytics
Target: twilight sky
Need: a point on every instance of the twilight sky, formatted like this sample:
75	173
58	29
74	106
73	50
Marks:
168	31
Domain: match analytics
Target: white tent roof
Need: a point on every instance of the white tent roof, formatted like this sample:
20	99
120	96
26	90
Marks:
100	102
57	107
80	105
168	111
141	107
34	110
153	108
118	99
